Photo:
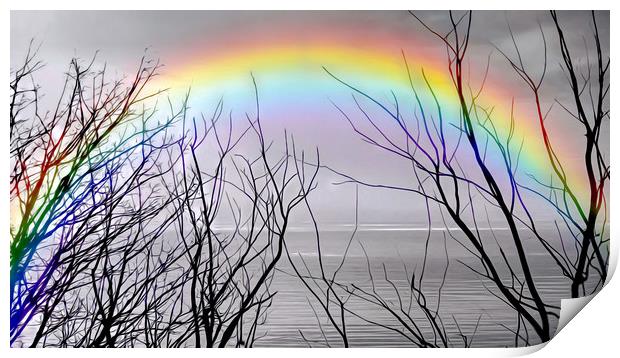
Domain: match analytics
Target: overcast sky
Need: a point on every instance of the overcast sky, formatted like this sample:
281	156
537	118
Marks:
122	36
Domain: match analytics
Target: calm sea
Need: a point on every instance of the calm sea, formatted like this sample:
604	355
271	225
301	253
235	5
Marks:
465	303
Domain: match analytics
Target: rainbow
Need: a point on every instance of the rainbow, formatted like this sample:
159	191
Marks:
289	70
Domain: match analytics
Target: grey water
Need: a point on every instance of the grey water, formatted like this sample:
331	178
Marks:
467	305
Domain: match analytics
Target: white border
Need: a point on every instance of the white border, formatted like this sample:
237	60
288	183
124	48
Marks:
593	332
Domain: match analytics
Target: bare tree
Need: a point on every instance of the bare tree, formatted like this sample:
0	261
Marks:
584	218
436	150
65	163
232	228
118	242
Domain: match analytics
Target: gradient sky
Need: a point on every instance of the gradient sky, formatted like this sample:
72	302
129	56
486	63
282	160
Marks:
193	40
